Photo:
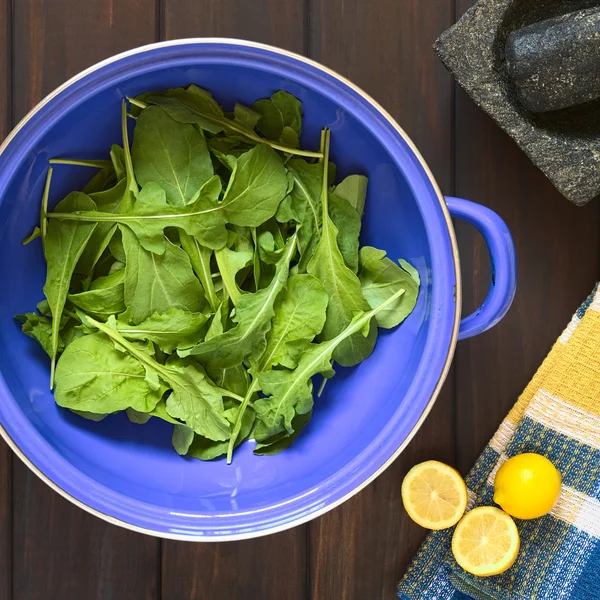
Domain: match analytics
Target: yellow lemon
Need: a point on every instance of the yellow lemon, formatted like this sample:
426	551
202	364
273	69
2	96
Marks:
527	486
434	495
486	541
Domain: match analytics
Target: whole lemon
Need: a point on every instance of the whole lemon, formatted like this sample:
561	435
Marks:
527	486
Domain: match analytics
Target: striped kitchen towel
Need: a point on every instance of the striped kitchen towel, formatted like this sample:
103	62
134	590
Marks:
557	415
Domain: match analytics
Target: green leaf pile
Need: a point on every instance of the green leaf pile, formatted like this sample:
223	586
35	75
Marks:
208	272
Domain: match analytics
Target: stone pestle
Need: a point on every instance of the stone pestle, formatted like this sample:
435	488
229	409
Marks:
555	64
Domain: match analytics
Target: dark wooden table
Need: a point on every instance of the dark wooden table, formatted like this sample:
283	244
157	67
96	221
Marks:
51	550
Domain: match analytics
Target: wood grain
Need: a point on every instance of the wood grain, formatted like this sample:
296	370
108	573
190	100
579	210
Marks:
59	38
279	23
269	568
5	454
361	549
558	253
59	551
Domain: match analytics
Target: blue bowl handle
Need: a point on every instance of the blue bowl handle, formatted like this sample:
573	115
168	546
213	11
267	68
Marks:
503	265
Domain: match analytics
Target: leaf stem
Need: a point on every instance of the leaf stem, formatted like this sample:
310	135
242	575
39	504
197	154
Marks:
44	207
229	394
131	182
200	259
97	164
325	136
238	419
136	102
32	236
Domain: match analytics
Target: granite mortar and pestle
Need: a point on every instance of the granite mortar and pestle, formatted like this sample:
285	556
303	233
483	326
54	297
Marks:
534	67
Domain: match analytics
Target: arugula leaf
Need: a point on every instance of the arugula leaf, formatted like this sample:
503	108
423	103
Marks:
204	449
300	313
70	332
204	417
354	190
234	379
257	185
381	278
39	328
289	393
63	245
102	180
117	157
111	200
253	320
343	287
219	321
172	154
192	105
93	376
90	416
170	330
193	399
196	105
157	283
108	201
281	118
159	411
245	116
182	438
270	243
105	296
230	262
347	222
305	204
44	308
202	218
226	151
281	441
412	271
115	247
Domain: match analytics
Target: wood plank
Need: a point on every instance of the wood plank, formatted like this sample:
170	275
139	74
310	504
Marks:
558	252
361	549
58	39
59	551
279	23
5	455
268	568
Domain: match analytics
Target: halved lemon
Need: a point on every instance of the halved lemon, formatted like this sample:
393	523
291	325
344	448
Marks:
434	495
486	541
